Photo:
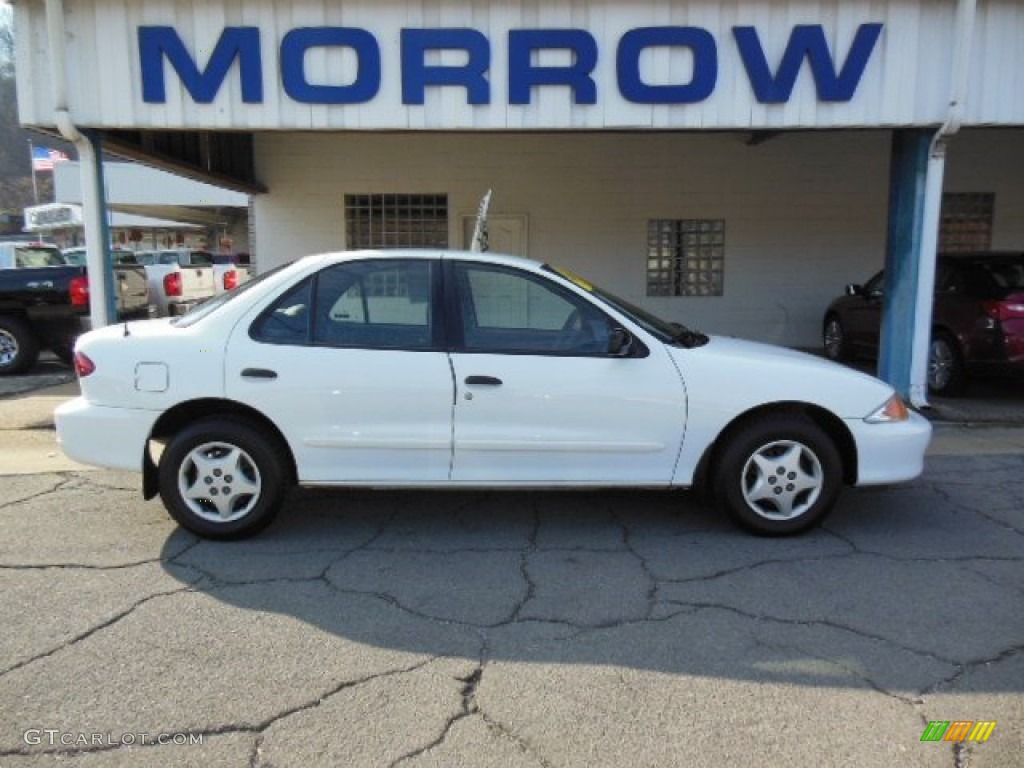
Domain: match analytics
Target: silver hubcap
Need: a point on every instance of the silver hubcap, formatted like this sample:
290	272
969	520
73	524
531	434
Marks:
219	482
782	480
833	338
8	348
940	365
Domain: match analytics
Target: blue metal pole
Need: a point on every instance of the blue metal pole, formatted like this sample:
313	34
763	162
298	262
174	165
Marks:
101	198
904	252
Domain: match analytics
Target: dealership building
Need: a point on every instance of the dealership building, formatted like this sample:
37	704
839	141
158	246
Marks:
728	165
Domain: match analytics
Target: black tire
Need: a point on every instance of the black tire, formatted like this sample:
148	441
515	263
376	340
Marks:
805	477
243	498
65	352
947	375
19	348
834	341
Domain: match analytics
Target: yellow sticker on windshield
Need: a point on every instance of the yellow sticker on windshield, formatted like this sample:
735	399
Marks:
573	278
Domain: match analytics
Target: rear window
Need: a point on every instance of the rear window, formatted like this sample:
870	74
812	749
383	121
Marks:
200	258
123	257
994	277
37	256
1008	275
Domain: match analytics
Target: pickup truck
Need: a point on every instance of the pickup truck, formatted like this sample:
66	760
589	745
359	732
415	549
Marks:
226	262
44	303
76	255
179	278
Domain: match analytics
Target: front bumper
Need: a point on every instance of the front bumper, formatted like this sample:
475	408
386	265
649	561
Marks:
104	436
890	453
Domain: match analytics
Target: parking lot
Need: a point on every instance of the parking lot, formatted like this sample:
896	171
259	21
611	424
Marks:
513	629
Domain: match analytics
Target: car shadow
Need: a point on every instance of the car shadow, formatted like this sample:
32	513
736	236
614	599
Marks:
902	589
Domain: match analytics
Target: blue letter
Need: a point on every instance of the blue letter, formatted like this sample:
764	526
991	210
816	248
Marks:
523	74
705	65
806	40
417	74
242	43
293	65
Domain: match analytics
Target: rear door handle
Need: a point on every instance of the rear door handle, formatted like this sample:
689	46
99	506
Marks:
258	373
486	381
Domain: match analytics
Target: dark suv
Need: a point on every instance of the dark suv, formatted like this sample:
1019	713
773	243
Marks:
977	321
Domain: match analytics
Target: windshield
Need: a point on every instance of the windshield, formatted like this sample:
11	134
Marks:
37	256
211	305
663	330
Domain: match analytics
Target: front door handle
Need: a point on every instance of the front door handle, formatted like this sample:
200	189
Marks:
258	373
486	381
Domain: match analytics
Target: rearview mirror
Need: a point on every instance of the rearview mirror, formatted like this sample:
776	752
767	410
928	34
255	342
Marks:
620	342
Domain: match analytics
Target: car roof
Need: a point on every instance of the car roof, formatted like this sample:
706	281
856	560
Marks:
432	253
983	256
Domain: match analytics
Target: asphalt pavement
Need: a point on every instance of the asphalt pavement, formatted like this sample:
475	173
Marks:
513	629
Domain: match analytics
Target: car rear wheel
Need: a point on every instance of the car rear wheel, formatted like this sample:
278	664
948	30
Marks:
834	340
946	372
19	348
779	475
65	351
223	479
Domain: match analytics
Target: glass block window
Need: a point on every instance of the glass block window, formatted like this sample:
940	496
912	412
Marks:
396	221
685	257
966	222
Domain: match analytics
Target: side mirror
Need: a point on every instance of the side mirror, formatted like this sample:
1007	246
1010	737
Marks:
620	342
852	289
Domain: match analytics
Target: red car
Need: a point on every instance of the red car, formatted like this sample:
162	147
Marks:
977	320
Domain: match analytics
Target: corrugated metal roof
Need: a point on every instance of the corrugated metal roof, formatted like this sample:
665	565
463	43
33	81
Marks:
905	81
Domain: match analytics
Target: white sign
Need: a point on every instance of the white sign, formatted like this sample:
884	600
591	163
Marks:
43	218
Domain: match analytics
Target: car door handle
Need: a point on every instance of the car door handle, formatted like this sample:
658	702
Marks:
258	373
486	381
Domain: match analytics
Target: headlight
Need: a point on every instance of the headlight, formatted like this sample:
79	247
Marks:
894	409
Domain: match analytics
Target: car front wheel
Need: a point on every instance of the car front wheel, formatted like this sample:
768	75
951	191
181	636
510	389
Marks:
779	475
222	479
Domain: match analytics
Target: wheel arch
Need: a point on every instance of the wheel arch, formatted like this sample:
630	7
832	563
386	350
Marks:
173	420
827	421
962	341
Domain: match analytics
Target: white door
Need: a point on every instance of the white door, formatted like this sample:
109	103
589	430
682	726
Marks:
350	365
539	399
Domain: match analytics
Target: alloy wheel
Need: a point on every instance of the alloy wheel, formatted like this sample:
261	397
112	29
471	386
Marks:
782	480
219	482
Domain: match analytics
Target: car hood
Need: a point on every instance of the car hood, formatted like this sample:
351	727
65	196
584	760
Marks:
728	373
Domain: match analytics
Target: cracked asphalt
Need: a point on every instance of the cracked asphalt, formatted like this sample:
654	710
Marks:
512	629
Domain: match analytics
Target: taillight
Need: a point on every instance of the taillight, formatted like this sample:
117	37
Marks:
83	365
230	280
1010	308
79	289
172	284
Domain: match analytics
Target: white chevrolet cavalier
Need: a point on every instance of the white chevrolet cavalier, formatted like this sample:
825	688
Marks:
449	370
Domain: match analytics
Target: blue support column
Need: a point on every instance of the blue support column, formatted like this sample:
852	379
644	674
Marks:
903	256
109	293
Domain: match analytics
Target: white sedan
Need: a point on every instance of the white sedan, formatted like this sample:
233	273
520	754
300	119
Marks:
448	370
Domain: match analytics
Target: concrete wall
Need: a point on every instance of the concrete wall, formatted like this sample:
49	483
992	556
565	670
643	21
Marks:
992	161
804	213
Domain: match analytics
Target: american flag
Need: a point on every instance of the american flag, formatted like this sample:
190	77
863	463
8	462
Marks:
43	158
